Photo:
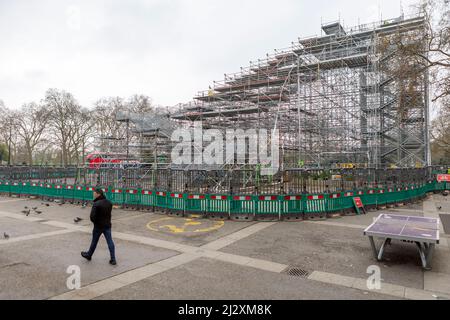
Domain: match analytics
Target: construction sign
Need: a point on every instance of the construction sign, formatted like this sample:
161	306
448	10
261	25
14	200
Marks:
359	205
443	178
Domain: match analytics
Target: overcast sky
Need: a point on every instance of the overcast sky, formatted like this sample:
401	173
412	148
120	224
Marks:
166	49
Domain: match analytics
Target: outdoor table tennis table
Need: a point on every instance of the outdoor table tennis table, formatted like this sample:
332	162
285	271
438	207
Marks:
424	232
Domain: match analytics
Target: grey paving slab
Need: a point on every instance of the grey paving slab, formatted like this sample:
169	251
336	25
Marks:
343	251
65	213
17	228
208	279
37	269
139	226
439	282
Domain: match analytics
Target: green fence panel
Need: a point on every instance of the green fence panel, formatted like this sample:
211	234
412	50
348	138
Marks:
35	189
25	189
78	193
49	190
148	198
59	191
347	200
315	204
268	205
381	196
218	204
4	187
88	193
176	202
161	199
196	203
334	202
440	186
293	204
132	197
116	196
370	197
15	187
68	192
242	205
389	195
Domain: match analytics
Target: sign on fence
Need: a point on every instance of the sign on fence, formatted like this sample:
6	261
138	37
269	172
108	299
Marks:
359	205
443	178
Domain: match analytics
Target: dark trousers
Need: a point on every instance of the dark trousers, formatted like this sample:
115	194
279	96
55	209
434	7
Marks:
96	234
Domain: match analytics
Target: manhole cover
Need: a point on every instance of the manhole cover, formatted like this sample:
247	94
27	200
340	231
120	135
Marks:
296	272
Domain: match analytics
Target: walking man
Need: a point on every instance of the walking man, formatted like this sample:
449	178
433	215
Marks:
101	218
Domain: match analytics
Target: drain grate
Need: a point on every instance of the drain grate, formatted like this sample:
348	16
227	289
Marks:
296	272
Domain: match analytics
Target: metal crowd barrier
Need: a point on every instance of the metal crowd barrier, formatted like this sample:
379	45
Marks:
233	206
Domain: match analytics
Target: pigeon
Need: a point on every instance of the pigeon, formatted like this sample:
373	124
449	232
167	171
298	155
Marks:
439	208
61	204
84	205
27	212
47	205
38	212
25	207
77	219
5	235
34	208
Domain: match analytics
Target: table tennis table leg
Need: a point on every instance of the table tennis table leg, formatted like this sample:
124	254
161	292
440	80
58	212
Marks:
374	248
378	254
381	251
426	254
429	256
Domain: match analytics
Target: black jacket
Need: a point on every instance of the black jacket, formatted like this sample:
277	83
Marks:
101	213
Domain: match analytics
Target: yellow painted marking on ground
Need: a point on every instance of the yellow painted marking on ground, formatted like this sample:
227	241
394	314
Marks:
173	229
218	225
149	225
192	223
187	222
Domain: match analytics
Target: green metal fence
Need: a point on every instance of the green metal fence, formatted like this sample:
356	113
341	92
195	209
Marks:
259	206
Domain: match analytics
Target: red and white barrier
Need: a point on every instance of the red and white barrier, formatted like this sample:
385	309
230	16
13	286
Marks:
316	197
292	198
268	198
176	195
242	198
218	197
196	196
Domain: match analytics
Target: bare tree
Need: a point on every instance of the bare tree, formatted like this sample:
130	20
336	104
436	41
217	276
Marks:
32	120
140	104
62	106
433	52
105	112
8	132
83	130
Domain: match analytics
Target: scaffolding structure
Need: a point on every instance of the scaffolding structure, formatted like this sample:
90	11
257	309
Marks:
333	99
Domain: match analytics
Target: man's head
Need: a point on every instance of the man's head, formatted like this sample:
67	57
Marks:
98	193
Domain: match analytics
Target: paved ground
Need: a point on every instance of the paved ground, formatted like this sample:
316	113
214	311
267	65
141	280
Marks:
162	257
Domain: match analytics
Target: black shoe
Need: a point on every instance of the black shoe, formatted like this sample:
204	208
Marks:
86	256
112	262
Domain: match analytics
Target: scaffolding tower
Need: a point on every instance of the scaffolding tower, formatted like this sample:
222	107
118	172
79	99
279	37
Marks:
333	99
